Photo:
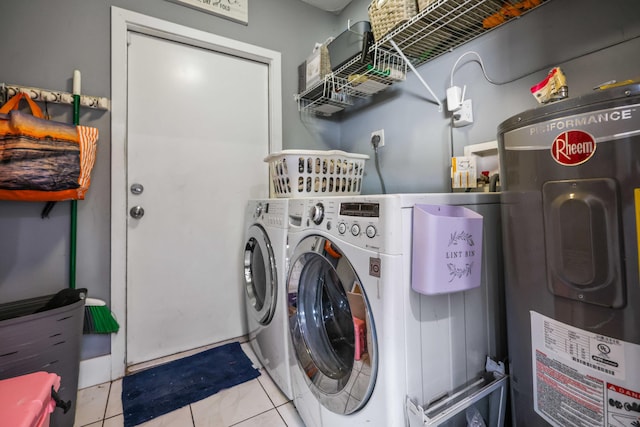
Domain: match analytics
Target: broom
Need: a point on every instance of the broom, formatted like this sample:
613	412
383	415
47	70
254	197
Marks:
97	316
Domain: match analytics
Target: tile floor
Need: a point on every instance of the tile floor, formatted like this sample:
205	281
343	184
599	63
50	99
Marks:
256	403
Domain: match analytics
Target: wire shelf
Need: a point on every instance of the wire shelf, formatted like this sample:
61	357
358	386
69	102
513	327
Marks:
437	29
380	69
446	24
355	79
329	96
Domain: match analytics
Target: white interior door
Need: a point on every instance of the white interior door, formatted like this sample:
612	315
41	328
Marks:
197	133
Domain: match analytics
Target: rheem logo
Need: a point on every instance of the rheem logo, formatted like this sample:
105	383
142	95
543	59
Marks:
573	148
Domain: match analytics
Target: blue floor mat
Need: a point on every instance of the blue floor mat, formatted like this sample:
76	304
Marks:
165	388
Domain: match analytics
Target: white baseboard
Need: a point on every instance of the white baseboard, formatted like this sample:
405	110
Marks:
94	371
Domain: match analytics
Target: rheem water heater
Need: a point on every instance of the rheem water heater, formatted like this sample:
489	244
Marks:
571	213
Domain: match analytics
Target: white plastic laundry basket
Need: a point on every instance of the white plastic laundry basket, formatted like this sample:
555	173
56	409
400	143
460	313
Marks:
306	173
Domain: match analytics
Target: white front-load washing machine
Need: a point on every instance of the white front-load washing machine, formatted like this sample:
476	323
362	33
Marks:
367	346
341	283
265	293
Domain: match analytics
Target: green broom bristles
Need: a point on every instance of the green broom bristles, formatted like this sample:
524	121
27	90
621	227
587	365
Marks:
98	318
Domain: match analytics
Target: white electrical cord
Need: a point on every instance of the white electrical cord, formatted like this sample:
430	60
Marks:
471	52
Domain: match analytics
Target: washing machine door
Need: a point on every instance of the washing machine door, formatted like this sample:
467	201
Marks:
260	276
330	344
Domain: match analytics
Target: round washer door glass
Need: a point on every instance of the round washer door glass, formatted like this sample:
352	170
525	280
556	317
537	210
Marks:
329	340
260	274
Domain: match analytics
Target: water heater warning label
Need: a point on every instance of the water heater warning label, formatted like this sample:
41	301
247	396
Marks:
582	378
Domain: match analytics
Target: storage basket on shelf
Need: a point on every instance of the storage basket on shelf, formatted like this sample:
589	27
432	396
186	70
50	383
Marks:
387	14
423	4
306	173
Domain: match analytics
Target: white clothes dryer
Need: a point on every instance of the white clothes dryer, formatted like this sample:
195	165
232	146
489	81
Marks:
264	285
365	343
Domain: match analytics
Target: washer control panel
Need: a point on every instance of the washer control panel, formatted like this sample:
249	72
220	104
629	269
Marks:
357	222
270	213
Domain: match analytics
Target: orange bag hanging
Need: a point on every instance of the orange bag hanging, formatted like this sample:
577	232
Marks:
43	160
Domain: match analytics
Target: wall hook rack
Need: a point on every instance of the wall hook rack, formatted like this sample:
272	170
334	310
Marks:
55	96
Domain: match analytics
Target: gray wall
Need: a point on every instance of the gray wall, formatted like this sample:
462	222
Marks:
44	42
592	41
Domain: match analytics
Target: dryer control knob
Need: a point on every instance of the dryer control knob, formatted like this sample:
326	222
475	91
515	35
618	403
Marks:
355	229
317	213
258	211
342	228
371	231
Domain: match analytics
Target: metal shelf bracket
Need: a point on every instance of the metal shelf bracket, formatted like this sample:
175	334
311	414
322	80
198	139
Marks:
406	60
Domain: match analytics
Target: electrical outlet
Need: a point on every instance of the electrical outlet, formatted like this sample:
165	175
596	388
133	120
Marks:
377	137
464	116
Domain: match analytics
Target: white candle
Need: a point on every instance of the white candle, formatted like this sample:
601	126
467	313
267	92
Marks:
76	82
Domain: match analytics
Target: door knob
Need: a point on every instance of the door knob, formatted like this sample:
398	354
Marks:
137	189
137	212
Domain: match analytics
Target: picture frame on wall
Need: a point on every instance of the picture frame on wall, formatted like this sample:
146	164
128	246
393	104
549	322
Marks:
235	10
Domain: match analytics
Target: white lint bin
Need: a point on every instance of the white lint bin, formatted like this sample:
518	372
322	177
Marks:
447	249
